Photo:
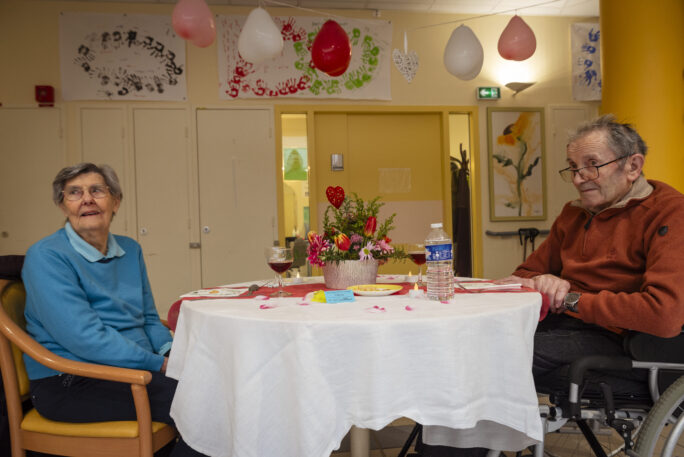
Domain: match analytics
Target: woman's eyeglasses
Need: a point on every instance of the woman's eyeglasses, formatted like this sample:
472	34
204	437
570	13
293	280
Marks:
588	173
74	194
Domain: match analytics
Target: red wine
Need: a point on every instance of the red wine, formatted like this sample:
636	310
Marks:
418	257
281	267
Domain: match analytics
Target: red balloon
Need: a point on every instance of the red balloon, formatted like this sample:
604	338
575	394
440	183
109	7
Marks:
517	41
331	50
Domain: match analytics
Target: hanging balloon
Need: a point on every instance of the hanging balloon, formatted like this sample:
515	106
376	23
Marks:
260	38
192	20
331	50
463	55
517	41
205	35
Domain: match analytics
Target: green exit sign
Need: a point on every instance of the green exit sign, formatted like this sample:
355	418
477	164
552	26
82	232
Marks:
488	93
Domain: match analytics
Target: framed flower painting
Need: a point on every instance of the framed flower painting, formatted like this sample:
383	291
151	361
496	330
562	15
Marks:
517	178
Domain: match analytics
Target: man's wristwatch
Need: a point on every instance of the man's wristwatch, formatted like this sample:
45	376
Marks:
571	300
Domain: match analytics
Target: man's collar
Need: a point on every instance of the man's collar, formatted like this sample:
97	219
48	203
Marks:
89	252
640	189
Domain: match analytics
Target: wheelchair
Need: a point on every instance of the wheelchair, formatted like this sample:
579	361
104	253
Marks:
647	414
602	391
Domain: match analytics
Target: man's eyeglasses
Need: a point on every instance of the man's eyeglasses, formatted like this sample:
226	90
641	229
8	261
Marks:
74	194
588	173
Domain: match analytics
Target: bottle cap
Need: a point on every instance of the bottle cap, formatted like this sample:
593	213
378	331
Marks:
436	225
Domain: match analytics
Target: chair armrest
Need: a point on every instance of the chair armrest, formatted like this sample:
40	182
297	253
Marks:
91	370
594	362
644	347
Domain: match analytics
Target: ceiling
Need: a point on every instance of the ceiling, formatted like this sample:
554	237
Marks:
469	7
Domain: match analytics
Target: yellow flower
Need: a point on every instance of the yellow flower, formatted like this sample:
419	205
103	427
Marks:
513	132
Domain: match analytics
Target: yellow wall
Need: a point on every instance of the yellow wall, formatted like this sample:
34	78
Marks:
642	78
29	56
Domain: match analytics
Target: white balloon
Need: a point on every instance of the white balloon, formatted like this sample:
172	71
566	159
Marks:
463	55
260	38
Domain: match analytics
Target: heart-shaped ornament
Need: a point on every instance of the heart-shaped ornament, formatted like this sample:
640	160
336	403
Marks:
335	196
406	63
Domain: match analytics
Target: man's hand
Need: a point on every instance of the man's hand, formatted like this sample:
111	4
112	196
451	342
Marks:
552	286
555	288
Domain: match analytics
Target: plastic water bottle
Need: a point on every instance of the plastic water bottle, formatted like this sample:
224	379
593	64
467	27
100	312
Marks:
440	266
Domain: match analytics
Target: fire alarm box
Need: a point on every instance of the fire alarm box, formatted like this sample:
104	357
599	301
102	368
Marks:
45	95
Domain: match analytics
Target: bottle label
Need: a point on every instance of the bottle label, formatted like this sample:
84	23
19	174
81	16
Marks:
438	252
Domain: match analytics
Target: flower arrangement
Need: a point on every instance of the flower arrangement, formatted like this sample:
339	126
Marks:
351	231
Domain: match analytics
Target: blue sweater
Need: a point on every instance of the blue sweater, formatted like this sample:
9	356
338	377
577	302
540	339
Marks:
99	311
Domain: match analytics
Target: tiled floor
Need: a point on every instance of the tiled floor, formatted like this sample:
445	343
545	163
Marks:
567	443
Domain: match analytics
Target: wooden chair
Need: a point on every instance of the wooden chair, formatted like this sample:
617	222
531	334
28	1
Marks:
30	431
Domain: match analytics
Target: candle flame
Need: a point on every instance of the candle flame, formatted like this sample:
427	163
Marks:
415	286
298	274
410	273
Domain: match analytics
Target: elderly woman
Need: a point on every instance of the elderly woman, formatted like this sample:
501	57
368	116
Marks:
89	299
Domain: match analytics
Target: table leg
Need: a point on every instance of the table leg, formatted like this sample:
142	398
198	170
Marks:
360	442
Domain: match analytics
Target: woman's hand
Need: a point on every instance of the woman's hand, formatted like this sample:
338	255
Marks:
163	367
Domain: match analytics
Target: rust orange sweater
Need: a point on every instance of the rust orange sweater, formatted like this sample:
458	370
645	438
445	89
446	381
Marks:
627	260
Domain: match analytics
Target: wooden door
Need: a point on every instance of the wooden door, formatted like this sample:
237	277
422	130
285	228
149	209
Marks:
238	212
564	120
31	153
397	156
103	141
162	185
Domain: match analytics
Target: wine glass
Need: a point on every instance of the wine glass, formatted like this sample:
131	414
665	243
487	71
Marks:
279	259
417	254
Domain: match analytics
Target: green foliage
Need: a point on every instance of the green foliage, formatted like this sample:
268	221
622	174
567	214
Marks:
350	219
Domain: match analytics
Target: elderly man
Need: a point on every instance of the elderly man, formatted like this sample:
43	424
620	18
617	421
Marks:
613	260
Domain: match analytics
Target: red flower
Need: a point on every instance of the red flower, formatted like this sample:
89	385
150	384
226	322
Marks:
371	225
342	242
387	239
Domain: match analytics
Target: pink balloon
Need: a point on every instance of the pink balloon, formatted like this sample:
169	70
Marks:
205	35
517	41
192	20
331	50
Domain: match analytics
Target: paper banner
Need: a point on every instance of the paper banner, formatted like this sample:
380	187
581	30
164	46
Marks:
586	61
121	57
292	73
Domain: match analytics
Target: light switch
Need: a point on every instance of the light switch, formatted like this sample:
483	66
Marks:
336	162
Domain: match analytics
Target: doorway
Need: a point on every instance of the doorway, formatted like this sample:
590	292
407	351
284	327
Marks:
402	155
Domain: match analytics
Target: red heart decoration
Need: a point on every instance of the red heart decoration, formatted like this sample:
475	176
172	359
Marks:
335	196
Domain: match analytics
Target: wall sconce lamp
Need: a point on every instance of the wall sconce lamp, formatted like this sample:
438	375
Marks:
518	87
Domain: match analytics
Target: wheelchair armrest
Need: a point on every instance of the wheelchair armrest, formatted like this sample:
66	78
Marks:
594	362
648	348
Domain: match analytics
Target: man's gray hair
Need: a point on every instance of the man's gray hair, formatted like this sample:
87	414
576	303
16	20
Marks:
67	174
622	139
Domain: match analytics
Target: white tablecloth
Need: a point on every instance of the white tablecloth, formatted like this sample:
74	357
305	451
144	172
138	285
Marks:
290	381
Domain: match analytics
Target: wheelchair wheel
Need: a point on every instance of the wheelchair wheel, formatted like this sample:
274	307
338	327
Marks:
660	421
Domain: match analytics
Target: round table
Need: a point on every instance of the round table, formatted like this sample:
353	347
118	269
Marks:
290	380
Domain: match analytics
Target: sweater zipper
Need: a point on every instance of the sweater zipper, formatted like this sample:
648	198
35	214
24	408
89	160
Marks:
586	233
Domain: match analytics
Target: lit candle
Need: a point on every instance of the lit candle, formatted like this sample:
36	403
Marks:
410	278
296	280
416	292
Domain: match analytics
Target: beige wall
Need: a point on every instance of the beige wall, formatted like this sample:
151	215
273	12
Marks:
29	56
